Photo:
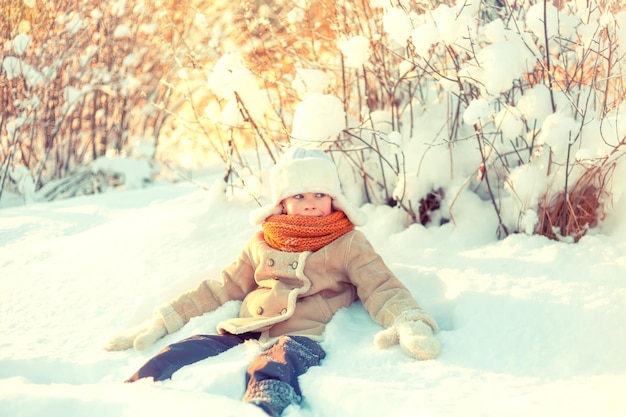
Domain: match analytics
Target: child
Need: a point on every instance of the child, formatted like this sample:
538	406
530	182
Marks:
305	264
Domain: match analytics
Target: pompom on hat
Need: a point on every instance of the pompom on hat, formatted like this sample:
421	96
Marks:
303	170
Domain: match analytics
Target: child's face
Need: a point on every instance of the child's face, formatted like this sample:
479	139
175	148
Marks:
308	204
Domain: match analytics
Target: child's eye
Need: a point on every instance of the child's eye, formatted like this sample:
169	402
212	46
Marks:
298	196
320	195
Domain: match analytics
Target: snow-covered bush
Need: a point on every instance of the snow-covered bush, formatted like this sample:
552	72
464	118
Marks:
418	101
79	80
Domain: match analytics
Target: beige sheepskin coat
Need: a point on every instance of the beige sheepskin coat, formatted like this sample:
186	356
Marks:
297	293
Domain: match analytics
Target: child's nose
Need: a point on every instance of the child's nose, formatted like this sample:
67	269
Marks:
309	202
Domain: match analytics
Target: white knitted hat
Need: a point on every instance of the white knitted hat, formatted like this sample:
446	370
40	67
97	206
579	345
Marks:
303	170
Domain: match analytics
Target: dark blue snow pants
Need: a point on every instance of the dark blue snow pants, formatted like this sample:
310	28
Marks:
271	379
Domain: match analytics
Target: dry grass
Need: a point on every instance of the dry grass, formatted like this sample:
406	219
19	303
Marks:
571	213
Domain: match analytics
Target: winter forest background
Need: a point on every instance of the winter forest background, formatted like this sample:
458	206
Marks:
422	104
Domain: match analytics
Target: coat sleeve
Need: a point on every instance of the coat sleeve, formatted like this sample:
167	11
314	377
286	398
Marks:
237	280
383	295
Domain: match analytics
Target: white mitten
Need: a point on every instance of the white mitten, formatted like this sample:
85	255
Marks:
140	337
415	337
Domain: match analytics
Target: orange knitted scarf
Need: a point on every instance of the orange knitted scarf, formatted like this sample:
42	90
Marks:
291	233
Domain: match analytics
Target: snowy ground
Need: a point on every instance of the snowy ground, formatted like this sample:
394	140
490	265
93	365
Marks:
530	327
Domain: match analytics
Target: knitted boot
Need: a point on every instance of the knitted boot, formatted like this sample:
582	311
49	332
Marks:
272	396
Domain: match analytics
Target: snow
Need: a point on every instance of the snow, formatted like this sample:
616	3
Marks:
318	118
535	103
230	79
455	24
90	52
135	172
308	82
499	65
220	79
558	132
559	24
529	326
424	37
122	31
13	67
478	111
357	50
20	43
397	24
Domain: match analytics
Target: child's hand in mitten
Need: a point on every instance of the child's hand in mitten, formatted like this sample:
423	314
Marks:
414	336
140	337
